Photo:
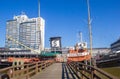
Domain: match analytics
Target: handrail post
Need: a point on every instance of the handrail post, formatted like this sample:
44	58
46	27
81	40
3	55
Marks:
27	71
45	64
79	74
10	72
92	69
40	69
13	72
82	76
92	73
36	67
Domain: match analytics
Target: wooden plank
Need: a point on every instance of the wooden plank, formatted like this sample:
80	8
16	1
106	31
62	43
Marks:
52	72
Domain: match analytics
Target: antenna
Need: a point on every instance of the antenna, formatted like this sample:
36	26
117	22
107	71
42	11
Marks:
38	8
22	13
80	36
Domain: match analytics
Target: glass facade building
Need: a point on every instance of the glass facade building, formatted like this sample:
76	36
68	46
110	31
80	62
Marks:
27	31
12	29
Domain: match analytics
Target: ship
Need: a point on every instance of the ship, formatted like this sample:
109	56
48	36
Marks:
79	52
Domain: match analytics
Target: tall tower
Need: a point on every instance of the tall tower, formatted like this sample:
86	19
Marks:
41	33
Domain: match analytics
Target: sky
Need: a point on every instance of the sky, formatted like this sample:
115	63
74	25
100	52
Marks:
66	18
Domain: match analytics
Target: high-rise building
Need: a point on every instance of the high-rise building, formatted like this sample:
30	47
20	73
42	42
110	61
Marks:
27	31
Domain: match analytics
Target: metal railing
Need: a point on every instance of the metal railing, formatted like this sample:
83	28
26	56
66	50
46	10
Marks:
89	72
26	70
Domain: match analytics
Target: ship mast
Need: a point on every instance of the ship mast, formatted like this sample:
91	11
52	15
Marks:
90	30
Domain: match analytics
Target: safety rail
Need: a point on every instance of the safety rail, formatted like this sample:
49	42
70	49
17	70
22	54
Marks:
89	72
26	70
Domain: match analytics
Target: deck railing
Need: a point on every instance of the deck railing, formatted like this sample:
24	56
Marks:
24	71
89	72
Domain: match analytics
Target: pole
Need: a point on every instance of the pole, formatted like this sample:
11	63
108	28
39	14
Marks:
38	8
39	25
90	30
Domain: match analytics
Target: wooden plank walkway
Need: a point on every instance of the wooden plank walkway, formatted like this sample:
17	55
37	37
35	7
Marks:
52	72
56	71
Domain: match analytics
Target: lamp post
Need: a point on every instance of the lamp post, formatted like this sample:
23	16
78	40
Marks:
90	30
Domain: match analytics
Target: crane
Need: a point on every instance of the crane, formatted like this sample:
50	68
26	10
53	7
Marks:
10	38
